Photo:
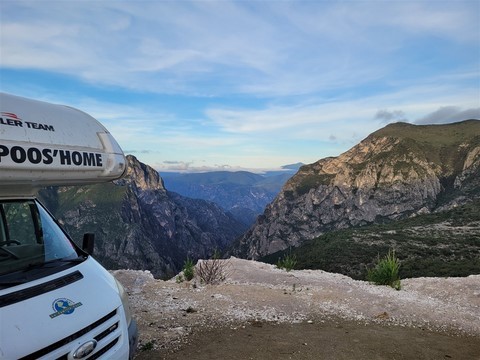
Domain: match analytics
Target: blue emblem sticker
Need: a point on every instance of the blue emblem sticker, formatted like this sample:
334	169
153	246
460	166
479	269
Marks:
64	306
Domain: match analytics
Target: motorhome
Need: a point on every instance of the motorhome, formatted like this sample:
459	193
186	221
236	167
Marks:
56	300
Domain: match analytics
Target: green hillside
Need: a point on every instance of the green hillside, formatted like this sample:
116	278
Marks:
432	135
441	244
442	145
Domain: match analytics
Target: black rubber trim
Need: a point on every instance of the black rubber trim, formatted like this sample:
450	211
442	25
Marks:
36	290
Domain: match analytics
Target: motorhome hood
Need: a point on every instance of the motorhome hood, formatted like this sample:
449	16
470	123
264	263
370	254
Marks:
63	311
46	144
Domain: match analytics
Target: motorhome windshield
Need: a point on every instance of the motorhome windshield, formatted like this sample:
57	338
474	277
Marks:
30	238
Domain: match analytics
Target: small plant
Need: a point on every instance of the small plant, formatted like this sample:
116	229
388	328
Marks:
179	279
287	262
188	269
147	346
386	271
212	271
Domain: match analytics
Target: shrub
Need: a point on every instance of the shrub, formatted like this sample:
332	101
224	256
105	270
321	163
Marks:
188	269
212	271
386	271
287	262
150	345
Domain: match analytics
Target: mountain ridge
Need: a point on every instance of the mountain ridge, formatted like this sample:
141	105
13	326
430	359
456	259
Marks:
394	173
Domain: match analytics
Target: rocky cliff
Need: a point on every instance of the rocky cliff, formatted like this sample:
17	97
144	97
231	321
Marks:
397	172
138	224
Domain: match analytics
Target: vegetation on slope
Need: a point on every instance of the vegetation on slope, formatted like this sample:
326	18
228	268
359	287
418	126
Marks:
440	244
441	144
416	148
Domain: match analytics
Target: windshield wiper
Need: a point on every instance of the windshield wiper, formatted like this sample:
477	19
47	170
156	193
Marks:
13	279
54	263
28	273
8	252
6	284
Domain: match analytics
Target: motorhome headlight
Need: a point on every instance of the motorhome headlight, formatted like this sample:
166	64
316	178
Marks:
124	297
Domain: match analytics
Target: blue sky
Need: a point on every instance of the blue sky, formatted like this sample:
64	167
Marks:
213	85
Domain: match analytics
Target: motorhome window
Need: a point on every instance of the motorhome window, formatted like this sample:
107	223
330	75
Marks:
57	244
20	223
30	236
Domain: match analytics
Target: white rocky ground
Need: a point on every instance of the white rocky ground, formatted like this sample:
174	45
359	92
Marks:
167	311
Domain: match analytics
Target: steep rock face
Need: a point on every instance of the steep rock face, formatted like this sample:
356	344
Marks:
138	224
399	171
141	176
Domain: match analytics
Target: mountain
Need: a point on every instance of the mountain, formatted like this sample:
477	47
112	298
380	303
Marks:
242	193
138	224
397	172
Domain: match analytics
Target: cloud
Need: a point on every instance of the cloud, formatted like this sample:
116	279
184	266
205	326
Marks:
193	166
437	19
449	114
129	151
173	162
259	82
173	165
387	116
228	47
341	117
310	120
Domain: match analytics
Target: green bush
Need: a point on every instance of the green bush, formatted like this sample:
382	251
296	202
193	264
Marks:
150	345
386	271
188	269
287	262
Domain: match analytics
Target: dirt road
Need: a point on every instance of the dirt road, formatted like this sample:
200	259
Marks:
261	312
331	340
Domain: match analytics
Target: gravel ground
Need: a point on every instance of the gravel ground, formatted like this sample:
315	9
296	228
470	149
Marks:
259	297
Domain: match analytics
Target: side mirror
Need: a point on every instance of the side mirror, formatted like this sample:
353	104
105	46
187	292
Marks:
88	242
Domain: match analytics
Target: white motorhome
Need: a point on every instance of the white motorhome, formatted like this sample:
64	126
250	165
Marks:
56	301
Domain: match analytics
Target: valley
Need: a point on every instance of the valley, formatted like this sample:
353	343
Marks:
413	189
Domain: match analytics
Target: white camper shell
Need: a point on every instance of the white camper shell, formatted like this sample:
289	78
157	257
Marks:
44	144
56	301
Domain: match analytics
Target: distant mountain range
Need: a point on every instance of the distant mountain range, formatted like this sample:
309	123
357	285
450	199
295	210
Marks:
243	194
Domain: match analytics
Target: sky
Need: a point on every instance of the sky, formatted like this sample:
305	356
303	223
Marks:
245	85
